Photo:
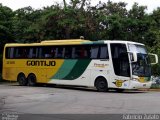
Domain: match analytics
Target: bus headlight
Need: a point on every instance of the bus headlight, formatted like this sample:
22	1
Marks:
135	79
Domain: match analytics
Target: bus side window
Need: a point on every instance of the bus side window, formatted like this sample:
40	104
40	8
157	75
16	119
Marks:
104	52
52	52
68	52
9	53
40	54
33	52
30	53
17	52
94	52
24	52
83	52
63	52
88	49
59	52
47	52
56	52
44	52
77	53
73	52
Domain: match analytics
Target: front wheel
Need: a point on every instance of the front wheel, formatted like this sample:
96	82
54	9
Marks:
31	80
22	79
101	85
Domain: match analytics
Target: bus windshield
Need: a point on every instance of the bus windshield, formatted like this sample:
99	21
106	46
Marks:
142	67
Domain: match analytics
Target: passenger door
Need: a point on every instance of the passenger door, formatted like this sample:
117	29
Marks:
121	66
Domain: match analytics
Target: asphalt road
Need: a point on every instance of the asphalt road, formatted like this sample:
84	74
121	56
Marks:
66	100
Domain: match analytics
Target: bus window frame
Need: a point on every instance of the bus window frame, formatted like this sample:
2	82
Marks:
39	51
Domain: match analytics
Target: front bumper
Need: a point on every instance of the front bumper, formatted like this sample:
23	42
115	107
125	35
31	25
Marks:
139	85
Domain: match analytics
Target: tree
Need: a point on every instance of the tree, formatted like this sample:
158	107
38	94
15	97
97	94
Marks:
6	26
139	24
26	27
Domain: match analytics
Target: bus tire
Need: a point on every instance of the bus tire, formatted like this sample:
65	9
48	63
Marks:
32	79
101	84
21	79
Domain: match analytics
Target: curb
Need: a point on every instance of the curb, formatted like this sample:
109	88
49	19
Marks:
156	90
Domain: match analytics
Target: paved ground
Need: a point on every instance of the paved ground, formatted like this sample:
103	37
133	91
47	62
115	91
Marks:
62	100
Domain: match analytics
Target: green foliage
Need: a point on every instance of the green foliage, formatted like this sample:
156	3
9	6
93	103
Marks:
0	67
26	25
156	70
0	63
155	86
6	25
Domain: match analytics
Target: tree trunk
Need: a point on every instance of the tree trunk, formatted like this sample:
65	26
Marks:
65	5
82	5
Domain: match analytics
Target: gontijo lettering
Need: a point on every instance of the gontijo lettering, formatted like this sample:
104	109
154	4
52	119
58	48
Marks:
40	63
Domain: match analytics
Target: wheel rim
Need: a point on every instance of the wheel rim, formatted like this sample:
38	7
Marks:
21	80
101	85
32	80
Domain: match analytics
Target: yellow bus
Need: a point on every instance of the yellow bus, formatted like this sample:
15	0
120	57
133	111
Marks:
101	64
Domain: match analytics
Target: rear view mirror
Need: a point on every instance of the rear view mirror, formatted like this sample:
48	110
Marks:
133	56
153	58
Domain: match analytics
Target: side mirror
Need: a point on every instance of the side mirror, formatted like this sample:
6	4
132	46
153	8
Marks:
153	58
133	56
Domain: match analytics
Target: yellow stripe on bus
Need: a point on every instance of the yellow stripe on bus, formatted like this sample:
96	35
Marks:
43	69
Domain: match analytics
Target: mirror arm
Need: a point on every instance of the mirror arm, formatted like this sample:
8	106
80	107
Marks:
156	58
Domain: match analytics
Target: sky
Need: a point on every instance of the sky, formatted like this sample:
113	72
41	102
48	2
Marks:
37	4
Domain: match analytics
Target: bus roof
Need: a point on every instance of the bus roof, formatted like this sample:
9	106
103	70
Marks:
70	42
51	42
65	41
122	41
